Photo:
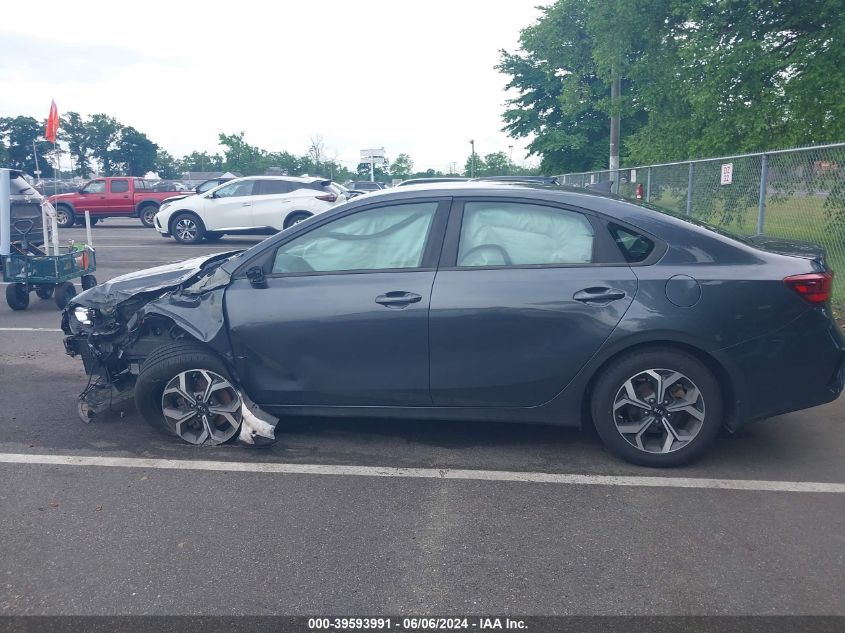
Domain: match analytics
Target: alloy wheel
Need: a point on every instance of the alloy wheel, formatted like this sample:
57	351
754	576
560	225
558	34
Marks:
201	407
659	410
61	217
148	215
186	229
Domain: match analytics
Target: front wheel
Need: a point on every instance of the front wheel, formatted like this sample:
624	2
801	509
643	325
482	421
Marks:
187	228
65	291
88	281
660	407
146	215
183	389
17	296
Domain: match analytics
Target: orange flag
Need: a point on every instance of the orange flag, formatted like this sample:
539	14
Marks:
52	123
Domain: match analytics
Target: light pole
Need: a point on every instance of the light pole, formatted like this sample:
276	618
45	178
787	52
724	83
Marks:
510	159
472	159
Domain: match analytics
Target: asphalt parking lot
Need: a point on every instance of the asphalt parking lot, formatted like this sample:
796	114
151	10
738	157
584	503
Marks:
381	517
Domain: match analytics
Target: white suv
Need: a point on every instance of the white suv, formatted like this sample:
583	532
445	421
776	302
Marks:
257	204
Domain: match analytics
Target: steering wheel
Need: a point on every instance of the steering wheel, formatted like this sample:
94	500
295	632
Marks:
501	252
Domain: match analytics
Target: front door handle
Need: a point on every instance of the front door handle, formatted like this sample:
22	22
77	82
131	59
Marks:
598	295
246	204
398	299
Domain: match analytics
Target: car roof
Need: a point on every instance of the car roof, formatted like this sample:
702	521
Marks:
303	179
624	210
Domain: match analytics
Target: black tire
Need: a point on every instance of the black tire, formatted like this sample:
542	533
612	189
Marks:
65	291
187	228
88	281
17	296
160	367
615	376
44	292
146	215
295	218
213	236
65	217
81	222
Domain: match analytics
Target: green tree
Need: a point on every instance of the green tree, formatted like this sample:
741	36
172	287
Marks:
200	161
166	166
134	153
242	157
474	166
103	134
497	164
19	133
402	166
74	131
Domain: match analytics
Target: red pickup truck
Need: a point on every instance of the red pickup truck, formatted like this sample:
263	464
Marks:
123	197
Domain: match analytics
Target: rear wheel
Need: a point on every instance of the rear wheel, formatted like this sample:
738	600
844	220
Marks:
65	291
146	214
295	218
17	296
659	407
65	216
44	292
187	228
183	389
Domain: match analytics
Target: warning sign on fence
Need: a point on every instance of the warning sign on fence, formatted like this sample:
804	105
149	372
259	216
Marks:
727	173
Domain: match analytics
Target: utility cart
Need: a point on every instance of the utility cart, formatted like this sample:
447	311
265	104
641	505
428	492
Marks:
31	262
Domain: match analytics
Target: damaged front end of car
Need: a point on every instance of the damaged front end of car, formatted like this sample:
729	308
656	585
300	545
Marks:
115	326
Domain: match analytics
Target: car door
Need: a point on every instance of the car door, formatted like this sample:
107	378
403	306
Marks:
341	317
521	301
271	202
92	197
230	206
119	198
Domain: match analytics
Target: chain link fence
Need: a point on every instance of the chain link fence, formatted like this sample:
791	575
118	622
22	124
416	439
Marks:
796	193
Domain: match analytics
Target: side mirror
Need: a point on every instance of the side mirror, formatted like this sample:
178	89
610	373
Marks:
256	277
80	190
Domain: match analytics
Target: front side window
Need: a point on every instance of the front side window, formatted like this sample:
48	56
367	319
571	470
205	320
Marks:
517	234
243	188
377	239
95	186
119	186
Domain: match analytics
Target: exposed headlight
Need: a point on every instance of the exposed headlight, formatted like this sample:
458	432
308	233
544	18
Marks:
84	315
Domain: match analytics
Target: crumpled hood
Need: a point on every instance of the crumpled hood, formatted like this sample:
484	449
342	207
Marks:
109	294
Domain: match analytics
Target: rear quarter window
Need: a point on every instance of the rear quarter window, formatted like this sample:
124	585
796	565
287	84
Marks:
633	246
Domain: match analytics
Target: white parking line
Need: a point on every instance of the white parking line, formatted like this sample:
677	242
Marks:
425	473
29	329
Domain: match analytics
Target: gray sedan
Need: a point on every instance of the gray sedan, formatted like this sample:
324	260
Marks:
481	301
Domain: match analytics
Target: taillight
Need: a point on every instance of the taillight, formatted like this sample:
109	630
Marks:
815	288
329	197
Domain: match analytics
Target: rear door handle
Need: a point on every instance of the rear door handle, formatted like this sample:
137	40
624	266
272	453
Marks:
246	204
598	295
398	299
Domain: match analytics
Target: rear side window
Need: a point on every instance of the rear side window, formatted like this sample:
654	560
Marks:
269	187
517	234
140	184
634	247
119	186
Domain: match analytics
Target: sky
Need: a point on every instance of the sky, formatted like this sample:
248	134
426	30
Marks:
412	77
